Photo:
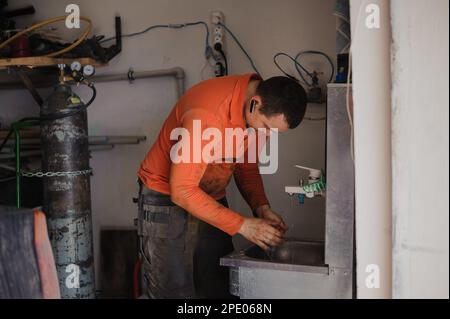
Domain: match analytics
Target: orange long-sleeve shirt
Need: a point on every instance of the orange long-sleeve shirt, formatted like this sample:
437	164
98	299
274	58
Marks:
196	185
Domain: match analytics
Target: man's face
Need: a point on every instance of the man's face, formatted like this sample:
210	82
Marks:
257	120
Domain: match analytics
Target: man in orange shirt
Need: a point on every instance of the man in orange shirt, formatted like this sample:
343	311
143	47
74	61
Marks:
184	220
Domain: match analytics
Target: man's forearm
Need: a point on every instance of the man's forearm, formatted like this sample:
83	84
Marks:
250	185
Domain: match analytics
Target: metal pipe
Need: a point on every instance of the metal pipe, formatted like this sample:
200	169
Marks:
37	147
93	140
7	167
38	153
23	154
25	141
96	148
116	140
176	72
92	147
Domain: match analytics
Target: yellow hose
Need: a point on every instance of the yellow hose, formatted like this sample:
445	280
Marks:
50	21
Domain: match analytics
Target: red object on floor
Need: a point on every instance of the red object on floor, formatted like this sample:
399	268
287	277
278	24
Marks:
46	262
136	276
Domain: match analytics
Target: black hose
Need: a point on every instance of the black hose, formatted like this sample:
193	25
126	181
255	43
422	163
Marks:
281	69
300	68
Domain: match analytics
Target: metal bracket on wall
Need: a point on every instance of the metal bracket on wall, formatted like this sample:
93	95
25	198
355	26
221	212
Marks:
131	76
335	271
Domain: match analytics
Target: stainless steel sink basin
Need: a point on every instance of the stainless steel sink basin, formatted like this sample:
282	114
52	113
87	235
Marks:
292	255
291	252
295	269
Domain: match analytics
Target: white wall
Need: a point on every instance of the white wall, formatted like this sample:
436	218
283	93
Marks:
420	125
372	107
402	225
265	27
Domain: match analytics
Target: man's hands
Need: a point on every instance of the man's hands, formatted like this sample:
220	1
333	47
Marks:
265	212
261	232
266	231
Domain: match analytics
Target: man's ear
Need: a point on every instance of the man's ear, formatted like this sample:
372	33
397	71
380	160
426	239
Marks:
257	101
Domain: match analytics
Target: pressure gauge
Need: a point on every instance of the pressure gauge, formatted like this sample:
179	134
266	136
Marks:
88	70
75	66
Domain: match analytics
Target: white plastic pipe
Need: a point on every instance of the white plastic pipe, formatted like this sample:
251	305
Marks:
371	41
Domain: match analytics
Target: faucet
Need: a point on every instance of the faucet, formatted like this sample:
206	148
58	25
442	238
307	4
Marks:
314	186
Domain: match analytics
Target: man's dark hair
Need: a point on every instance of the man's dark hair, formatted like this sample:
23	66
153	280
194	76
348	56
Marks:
282	95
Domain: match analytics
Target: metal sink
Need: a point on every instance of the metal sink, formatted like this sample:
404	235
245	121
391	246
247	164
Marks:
292	255
295	269
291	252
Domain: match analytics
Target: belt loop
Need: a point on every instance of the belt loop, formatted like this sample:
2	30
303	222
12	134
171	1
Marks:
140	196
140	186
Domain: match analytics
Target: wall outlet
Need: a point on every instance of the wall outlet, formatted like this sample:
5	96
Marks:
218	32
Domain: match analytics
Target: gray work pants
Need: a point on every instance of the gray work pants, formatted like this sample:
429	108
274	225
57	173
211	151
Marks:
181	254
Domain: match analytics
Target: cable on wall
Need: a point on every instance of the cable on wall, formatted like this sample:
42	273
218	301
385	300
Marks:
208	48
240	46
301	69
